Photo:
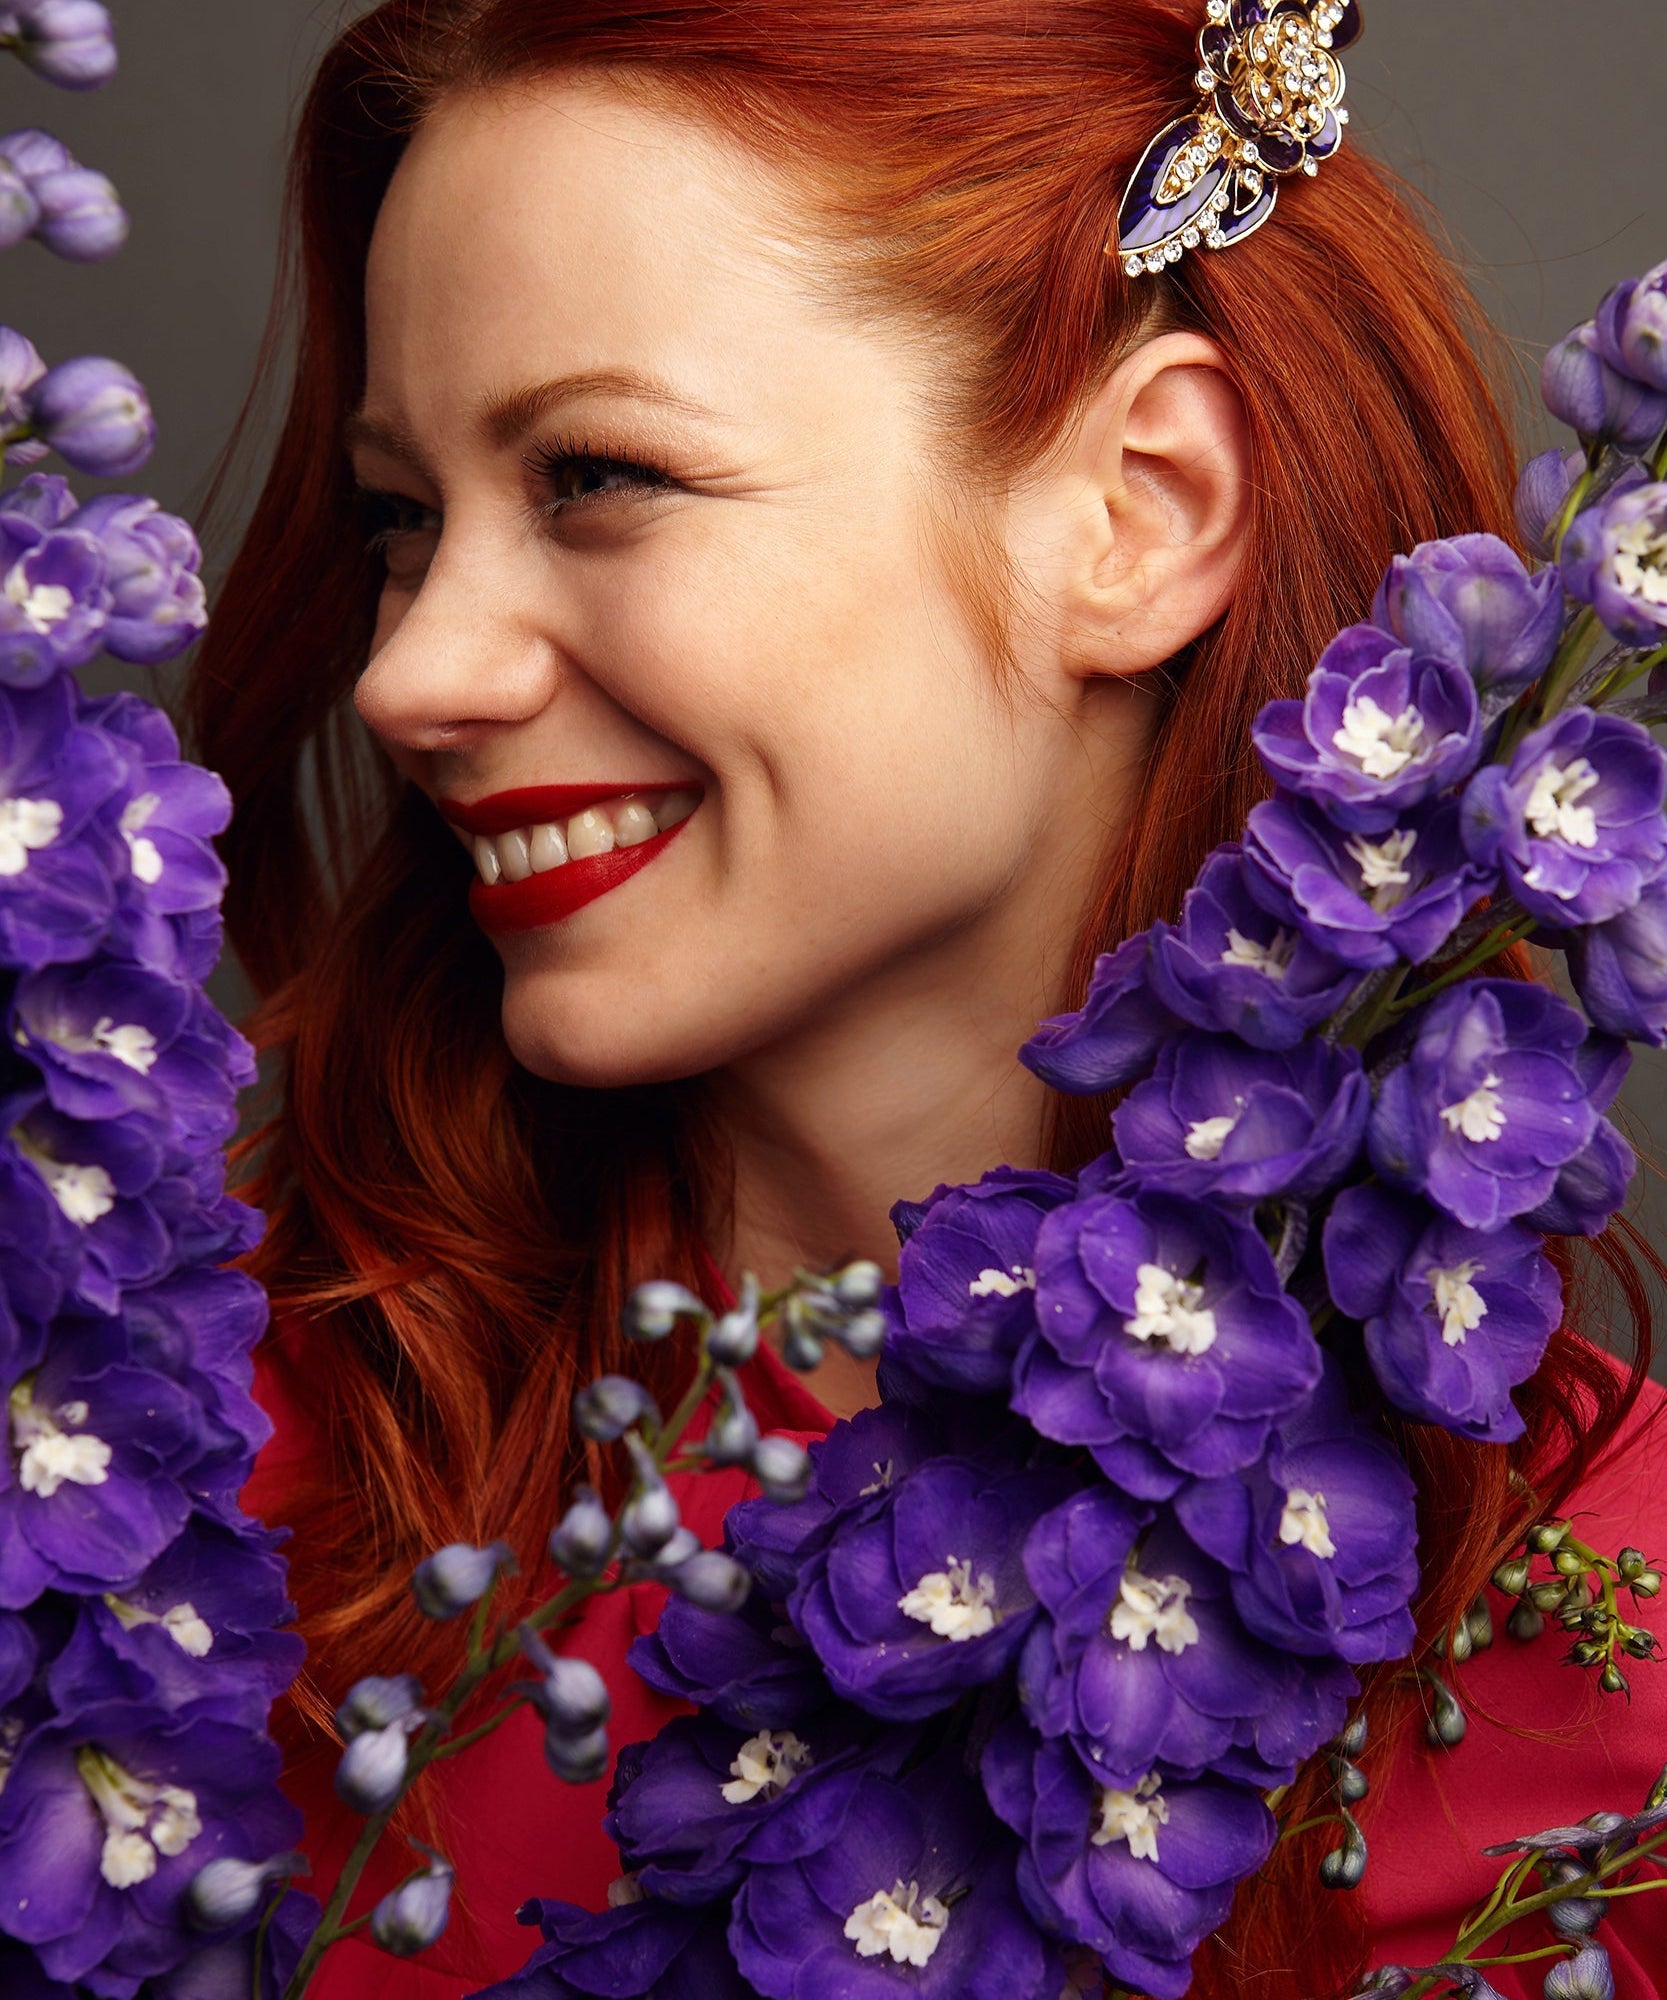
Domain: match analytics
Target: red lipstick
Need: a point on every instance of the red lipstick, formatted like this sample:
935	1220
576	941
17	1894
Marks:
539	805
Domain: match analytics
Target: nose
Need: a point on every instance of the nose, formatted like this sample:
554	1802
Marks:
469	655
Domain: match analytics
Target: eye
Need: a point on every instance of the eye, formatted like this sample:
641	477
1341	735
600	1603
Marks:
576	476
393	520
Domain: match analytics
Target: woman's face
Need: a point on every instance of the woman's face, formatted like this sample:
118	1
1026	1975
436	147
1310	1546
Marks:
663	598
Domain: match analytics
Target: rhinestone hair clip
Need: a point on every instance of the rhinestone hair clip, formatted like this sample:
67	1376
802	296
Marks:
1273	106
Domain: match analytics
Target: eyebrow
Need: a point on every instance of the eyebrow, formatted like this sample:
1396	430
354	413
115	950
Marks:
503	416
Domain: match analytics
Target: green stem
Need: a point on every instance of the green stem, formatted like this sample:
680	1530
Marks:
454	1746
1497	940
1624	677
1569	665
1308	1825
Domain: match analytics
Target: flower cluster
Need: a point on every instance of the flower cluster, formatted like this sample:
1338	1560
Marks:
1004	1703
140	1609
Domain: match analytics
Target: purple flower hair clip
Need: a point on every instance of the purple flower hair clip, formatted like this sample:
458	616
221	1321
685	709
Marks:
1272	87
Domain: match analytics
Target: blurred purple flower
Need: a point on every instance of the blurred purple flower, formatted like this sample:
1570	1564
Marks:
19	210
1455	1318
1141	1872
20	369
1113	1037
1631	328
1615	559
150	569
749	1667
94	413
81	217
53	600
1620	969
1471	601
1491	1103
1542	491
1165	1342
69	42
58	861
1574	821
32	152
1380	730
1583	391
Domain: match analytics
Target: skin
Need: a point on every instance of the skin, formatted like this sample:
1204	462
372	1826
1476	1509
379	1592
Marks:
876	901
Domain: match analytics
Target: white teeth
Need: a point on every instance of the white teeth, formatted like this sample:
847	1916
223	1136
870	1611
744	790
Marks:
547	847
590	832
674	808
486	860
513	857
633	824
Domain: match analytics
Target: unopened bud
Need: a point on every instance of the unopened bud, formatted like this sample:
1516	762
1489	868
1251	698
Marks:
581	1540
859	1285
412	1917
650	1518
1569	1562
1512	1577
1586	1976
1574	1917
654	1310
1646	1585
1631	1563
373	1767
863	1334
1547	1536
1353	1740
228	1892
803	1336
570	1694
454	1578
1525	1623
782	1468
1352	1783
1547	1596
612	1405
376	1701
1586	1654
732	1339
1613	1681
734	1429
712	1580
1345	1866
1638	1644
1446	1724
576	1760
1479	1620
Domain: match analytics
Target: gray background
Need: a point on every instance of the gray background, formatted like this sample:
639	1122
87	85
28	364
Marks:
1535	126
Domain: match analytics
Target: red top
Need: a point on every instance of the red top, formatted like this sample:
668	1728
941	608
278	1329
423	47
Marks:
513	1831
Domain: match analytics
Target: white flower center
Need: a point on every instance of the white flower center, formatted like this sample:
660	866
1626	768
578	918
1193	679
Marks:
1480	1116
1207	1136
1459	1306
26	825
993	1284
1383	745
48	1455
1554	810
1171	1309
956	1606
1640	563
1272	959
1304	1524
765	1765
132	1045
1384	874
1150	1607
880	1483
898	1920
141	1820
143	852
1132	1816
84	1193
190	1632
43	605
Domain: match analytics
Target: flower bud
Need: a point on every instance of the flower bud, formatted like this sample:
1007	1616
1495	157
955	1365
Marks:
373	1767
1344	1867
863	1334
1446	1724
1638	1644
376	1701
653	1310
1631	1563
732	1340
650	1518
1547	1596
734	1429
803	1335
1584	392
19	210
81	215
1568	1562
858	1286
1542	492
1352	1782
712	1581
1525	1623
782	1468
610	1406
1512	1577
1613	1681
1455	1645
412	1917
1586	1976
1647	1585
570	1694
1479	1621
683	1543
69	42
228	1892
1354	1739
1545	1537
1632	328
1575	1917
576	1760
32	152
1586	1654
94	413
581	1540
455	1577
20	369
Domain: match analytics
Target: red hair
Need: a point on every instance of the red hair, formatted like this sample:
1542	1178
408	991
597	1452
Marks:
967	159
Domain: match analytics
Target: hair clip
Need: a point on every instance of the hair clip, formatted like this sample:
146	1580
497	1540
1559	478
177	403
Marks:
1273	96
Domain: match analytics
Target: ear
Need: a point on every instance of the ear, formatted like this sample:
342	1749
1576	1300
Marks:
1156	492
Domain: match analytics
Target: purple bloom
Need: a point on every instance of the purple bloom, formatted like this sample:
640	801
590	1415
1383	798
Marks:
94	412
1140	1658
173	811
749	1667
1542	492
1366	898
53	600
56	866
1471	601
43	497
912	1894
226	1965
1113	1037
81	215
926	1596
966	1285
20	369
1631	328
105	1819
1230	966
643	1950
1620	969
69	42
32	152
1574	821
1141	1872
1165	1341
19	210
1586	393
1381	729
1490	1105
1455	1318
1320	1537
150	569
1615	559
1593	1185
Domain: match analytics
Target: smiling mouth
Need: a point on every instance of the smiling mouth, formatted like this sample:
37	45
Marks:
547	850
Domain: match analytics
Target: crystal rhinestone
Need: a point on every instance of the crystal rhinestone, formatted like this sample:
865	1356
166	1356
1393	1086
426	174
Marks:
1311	168
1205	79
1172	253
1251	153
1217	10
1189	239
1213	140
1341	116
1154	263
1253	183
1215	239
1134	266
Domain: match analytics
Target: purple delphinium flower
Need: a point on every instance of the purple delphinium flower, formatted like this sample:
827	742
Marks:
1165	1341
1113	1037
1320	1537
1614	558
912	1894
20	369
1455	1318
910	1605
1140	1658
151	561
106	1817
172	813
57	868
1471	600
53	601
1631	328
1489	1106
1542	492
81	215
1593	1185
1620	969
644	1949
1366	898
31	152
1574	821
966	1284
227	1964
1244	1124
1380	730
69	42
1583	391
95	414
1231	967
749	1667
1141	1872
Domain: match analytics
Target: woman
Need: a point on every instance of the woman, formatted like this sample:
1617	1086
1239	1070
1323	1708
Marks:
723	455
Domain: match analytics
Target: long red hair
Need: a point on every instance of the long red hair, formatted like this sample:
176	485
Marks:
459	1280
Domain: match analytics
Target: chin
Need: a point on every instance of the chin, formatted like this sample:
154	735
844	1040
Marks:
597	1034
